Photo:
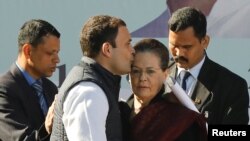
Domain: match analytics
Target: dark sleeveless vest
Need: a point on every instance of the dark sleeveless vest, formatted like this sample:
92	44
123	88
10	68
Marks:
89	70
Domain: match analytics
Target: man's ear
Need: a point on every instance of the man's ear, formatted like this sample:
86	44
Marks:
26	49
106	49
205	42
166	73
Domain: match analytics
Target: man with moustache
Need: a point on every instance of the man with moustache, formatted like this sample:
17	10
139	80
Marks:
25	92
218	93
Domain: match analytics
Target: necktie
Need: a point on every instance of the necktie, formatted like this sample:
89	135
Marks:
185	75
39	90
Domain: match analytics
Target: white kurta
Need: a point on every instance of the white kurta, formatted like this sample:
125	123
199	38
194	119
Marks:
85	112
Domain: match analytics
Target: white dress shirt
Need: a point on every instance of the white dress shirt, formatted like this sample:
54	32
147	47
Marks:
85	113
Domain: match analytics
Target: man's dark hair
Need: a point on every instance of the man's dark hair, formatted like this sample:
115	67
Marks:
98	30
189	17
34	30
156	47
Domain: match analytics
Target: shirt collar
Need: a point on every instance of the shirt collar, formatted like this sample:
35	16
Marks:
26	75
194	70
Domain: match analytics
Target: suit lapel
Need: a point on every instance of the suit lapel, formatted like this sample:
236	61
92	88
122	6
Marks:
173	71
207	75
48	95
201	95
49	91
28	96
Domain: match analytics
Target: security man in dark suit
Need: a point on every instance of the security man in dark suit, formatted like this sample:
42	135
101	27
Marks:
23	107
218	93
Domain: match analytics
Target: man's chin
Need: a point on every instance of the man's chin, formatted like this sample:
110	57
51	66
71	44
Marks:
182	65
49	74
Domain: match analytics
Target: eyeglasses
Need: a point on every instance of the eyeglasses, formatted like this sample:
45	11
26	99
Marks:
149	72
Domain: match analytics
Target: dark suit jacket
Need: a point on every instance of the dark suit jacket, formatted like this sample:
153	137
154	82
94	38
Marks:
221	95
21	117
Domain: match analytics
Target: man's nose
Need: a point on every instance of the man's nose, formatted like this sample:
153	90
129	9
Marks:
56	59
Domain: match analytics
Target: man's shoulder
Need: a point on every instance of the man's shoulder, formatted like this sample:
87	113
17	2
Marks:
83	87
225	73
10	85
88	86
84	90
7	80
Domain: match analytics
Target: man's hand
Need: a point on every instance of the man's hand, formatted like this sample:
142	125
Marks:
49	117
